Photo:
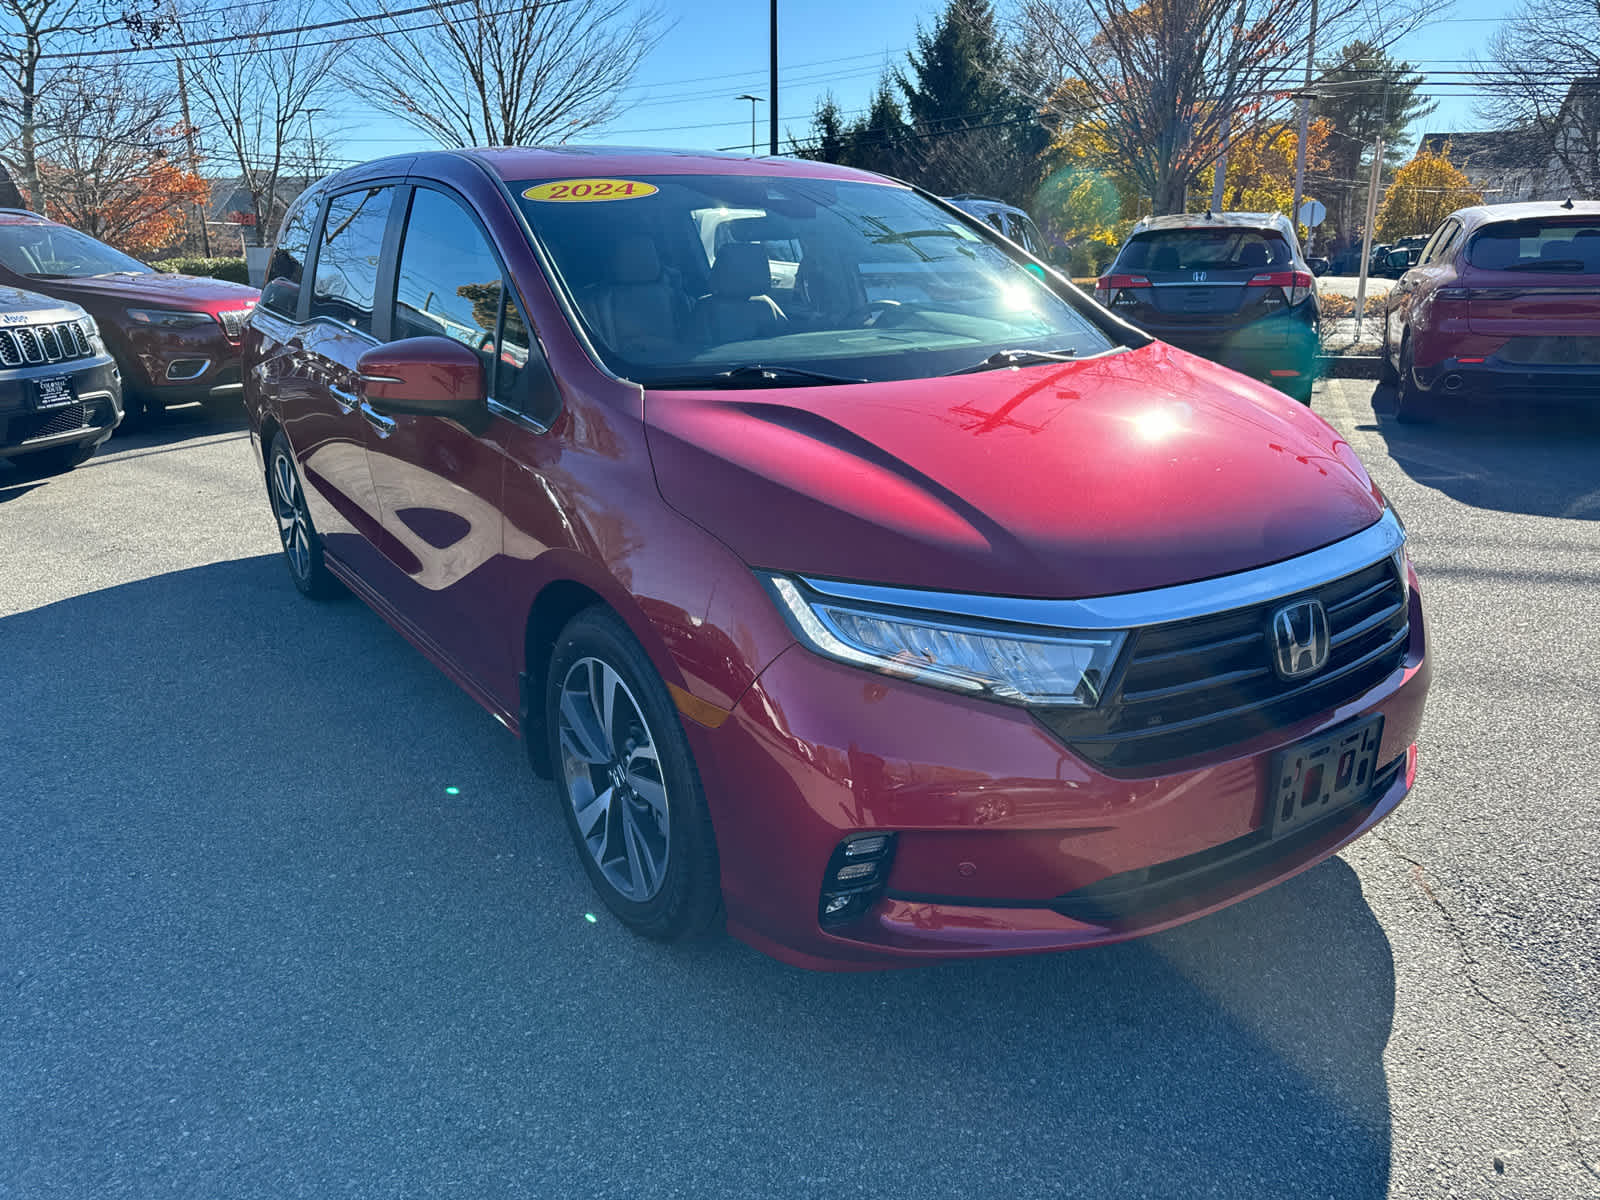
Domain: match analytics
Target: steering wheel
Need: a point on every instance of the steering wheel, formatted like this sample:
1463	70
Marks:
883	312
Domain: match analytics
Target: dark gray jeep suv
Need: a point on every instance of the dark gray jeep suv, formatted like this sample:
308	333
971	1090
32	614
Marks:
60	393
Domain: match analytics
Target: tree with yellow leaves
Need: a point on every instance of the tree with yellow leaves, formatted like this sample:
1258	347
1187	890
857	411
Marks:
1425	191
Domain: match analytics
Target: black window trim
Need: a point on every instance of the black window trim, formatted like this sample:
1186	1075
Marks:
303	316
318	205
388	288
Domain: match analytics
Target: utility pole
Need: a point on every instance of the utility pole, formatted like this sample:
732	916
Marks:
194	157
754	100
1219	171
1305	118
772	108
1366	236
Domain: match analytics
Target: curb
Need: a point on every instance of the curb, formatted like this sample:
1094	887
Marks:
1350	366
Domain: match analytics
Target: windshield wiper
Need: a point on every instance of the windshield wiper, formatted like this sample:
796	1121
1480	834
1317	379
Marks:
756	375
1016	358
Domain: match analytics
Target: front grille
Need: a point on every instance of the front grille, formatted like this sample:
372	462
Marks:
1194	686
33	345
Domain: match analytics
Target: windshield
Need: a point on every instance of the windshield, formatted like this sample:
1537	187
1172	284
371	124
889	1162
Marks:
1219	249
55	251
1570	246
679	278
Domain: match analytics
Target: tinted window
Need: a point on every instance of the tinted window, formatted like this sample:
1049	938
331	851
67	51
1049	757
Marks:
1437	244
347	258
686	276
449	285
1551	244
284	273
1220	249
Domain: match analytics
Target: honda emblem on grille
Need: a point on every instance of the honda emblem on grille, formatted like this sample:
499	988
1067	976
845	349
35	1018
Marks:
1300	639
1199	276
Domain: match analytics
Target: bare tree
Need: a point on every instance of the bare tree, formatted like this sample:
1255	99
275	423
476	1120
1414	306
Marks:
1544	79
251	89
113	158
29	30
476	73
1159	86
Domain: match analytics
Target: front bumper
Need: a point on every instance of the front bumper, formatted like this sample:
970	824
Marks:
1007	841
176	366
97	411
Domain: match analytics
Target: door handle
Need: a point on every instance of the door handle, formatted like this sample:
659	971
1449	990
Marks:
382	424
345	400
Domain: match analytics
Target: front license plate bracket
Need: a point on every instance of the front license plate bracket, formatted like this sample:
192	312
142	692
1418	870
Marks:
1323	775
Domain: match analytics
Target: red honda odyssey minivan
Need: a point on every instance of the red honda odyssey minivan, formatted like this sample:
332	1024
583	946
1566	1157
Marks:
851	574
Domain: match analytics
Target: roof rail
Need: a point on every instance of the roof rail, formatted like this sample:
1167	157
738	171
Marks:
24	212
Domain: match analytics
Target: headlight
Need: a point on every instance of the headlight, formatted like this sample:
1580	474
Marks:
91	327
163	318
1015	663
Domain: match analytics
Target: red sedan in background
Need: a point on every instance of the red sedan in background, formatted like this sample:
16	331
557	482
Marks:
1503	306
175	338
850	573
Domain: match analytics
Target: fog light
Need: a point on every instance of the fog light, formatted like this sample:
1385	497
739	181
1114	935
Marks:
857	870
866	847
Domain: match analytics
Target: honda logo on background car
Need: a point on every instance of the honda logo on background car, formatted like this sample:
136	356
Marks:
1300	639
1199	276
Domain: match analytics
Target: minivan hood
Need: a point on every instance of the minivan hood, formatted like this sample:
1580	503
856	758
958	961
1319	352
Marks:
1133	470
168	291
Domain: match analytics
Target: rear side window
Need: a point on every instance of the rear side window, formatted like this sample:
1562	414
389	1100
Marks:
1220	249
347	258
1439	245
1561	246
281	294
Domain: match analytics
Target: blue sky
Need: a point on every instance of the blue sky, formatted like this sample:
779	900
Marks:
684	94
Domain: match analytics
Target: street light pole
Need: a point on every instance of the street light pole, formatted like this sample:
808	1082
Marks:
754	100
772	89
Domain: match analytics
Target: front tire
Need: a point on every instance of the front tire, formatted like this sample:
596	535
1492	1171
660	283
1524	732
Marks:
626	777
302	547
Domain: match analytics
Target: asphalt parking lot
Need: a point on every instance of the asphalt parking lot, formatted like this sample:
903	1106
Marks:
282	912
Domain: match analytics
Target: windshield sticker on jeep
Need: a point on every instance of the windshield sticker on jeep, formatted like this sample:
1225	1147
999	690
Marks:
585	190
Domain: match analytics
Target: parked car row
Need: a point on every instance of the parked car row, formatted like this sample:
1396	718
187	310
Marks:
854	578
98	337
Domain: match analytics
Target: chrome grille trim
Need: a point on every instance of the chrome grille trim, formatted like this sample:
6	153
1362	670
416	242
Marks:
34	345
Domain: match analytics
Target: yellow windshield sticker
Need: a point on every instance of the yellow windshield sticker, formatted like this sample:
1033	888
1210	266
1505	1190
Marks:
585	190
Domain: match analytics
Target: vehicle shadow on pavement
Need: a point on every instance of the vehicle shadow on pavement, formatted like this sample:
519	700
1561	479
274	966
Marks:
283	915
1539	463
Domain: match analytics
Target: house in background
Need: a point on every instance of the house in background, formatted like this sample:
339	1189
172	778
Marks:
1554	158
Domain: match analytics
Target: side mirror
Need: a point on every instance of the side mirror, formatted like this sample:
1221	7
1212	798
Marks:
426	376
1400	260
1319	266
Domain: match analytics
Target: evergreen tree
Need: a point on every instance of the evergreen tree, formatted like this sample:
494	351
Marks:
1363	93
955	69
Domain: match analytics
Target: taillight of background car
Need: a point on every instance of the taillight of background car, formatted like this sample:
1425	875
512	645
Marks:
1119	291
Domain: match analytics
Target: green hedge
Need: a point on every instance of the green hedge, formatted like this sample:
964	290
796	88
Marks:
231	269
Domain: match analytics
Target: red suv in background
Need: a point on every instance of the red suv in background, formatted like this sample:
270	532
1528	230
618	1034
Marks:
1503	305
175	337
850	574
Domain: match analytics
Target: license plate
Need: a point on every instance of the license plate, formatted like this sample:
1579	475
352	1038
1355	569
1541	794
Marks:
53	392
1323	775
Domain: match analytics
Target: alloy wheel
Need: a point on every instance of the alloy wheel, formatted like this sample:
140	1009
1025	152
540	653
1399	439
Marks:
294	524
614	782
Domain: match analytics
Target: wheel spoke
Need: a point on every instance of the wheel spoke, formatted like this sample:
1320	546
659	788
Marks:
653	794
587	741
592	813
638	855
